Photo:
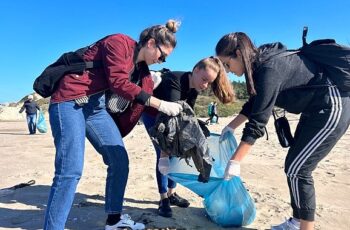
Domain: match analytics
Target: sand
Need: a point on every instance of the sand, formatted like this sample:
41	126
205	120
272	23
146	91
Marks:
25	157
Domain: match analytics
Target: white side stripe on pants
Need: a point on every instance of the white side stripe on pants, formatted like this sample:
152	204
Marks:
315	142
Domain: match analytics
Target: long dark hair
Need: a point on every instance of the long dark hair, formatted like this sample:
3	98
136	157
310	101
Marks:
228	46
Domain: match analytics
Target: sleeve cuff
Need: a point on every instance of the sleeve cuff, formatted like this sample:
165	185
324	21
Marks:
250	140
142	97
245	113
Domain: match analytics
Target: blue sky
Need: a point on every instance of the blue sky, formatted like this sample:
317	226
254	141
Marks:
35	33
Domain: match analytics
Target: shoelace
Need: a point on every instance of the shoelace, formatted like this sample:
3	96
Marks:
127	219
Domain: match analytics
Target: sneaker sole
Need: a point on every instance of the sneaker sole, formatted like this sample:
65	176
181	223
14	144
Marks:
180	206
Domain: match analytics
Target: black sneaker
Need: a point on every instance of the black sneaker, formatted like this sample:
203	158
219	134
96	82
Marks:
164	208
178	201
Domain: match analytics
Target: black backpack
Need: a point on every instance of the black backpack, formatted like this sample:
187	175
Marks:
332	58
72	62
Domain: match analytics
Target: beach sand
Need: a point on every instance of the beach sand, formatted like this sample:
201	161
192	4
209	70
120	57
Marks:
26	157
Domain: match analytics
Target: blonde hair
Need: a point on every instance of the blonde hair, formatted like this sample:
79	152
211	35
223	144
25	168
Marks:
221	86
162	34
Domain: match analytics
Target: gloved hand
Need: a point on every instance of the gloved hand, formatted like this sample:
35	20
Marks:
233	168
156	77
170	108
225	130
163	165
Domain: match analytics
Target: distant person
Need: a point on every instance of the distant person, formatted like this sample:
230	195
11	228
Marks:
210	112
215	113
78	111
31	108
287	82
179	85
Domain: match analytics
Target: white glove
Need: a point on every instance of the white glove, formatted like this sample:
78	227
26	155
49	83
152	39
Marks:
170	108
156	77
233	168
225	130
163	165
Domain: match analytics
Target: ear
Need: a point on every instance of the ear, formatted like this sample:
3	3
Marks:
239	56
151	43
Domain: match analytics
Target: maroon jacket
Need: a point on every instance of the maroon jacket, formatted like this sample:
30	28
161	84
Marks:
116	53
127	120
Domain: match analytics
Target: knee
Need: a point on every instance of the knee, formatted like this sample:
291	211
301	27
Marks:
117	158
300	175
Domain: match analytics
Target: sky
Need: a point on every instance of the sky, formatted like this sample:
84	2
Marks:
35	33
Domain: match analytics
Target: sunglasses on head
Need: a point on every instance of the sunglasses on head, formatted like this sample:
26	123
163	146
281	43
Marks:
162	54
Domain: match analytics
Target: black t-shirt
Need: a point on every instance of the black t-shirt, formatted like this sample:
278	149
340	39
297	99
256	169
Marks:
175	86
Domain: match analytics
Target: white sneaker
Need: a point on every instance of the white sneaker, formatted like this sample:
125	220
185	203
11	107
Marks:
126	223
287	225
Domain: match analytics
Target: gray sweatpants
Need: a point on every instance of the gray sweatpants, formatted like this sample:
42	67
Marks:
318	130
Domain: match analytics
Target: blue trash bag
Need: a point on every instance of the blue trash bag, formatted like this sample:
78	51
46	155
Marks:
41	125
227	203
230	205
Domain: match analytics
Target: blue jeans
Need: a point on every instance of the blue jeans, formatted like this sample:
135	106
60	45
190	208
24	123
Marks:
163	181
31	121
70	124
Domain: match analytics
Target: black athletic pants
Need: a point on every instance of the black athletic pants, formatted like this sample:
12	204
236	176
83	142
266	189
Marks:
318	130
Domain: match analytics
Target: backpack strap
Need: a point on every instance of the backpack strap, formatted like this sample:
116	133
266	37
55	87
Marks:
275	113
305	30
93	64
286	53
291	52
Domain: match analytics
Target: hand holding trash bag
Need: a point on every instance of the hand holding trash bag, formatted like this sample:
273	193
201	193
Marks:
225	130
227	202
233	168
170	108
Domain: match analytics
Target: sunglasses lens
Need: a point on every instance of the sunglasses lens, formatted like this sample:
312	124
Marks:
161	58
162	55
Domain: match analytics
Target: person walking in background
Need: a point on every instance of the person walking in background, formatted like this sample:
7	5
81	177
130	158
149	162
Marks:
289	83
78	110
179	85
215	113
210	112
31	108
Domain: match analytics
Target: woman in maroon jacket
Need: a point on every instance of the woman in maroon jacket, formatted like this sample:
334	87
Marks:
77	110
